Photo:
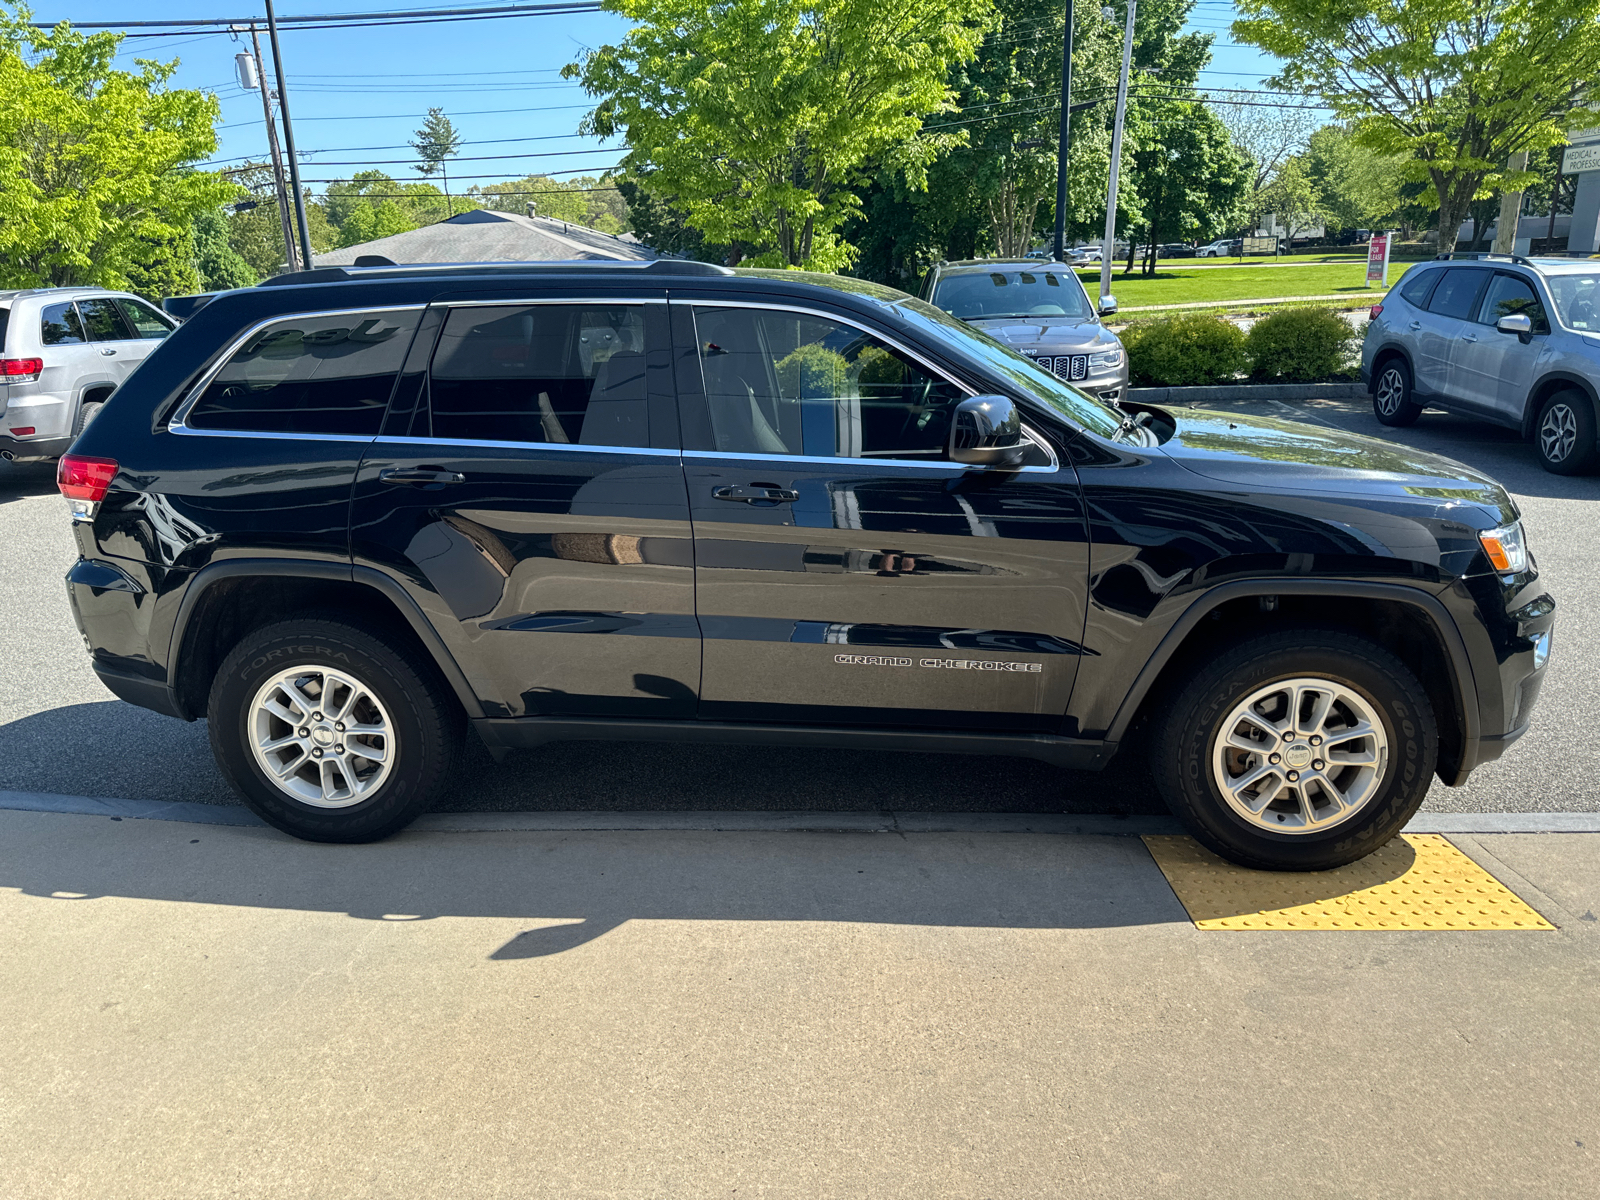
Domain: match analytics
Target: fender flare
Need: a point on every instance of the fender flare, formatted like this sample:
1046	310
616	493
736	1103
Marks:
1390	350
1530	410
334	572
1460	664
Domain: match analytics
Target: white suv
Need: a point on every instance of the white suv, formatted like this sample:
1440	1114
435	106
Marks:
63	351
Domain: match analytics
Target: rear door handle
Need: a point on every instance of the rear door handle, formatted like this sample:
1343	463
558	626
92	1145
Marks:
1415	325
756	494
420	475
108	350
1469	337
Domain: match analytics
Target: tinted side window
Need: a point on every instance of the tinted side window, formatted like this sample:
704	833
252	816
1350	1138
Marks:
562	374
59	325
322	374
104	321
1417	285
791	383
146	322
1508	295
1457	293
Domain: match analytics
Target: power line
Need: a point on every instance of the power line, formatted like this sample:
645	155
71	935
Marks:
409	16
419	116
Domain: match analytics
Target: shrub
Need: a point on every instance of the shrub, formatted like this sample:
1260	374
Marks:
1300	345
1184	351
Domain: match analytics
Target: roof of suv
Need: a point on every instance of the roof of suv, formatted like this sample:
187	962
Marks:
25	293
966	265
1544	265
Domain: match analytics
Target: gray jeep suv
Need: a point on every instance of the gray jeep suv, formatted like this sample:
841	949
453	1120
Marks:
1037	309
1509	339
63	351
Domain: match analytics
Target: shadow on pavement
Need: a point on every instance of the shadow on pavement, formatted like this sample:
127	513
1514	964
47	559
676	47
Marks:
20	480
113	749
573	888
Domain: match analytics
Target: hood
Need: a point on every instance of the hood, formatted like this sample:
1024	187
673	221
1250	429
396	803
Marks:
1058	335
1262	452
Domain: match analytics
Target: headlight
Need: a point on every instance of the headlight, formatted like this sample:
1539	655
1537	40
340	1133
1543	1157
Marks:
1107	358
1507	549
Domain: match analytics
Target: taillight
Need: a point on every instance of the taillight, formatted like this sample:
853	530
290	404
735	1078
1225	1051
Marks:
1376	309
20	370
81	478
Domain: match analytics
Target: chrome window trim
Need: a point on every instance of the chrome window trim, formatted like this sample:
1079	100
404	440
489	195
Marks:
656	451
936	372
178	422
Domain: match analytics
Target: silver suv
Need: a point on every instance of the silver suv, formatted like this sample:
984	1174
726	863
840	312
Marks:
1509	339
1038	309
63	351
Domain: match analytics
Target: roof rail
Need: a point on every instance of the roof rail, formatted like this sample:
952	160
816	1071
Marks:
1484	254
363	268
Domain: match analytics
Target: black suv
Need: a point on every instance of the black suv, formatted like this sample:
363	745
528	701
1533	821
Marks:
350	512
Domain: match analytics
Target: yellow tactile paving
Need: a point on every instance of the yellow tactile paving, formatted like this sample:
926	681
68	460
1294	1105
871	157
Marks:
1417	881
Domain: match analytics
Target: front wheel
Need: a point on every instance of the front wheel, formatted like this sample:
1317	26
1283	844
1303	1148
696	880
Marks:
329	733
1565	434
1297	751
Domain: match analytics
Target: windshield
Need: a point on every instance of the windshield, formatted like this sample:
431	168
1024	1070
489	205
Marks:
1012	293
1078	407
1577	299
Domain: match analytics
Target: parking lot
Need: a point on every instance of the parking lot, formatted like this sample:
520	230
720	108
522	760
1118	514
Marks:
61	732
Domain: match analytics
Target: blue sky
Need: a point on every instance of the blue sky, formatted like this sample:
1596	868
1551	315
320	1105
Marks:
357	95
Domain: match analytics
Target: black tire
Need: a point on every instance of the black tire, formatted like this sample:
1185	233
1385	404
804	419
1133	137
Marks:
1564	434
88	411
426	725
1391	394
1189	728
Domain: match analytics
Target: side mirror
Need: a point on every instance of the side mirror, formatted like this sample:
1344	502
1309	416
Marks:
1518	323
986	431
1108	306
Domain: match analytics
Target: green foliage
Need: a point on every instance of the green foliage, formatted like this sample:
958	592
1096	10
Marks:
219	265
1184	351
374	205
583	201
1300	345
92	181
1294	199
1453	87
1193	184
757	117
1359	187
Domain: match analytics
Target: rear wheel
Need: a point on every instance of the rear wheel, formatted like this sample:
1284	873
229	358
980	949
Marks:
1297	751
1564	435
330	733
1391	395
88	410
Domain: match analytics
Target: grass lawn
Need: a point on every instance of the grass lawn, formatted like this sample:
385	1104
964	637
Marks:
1176	285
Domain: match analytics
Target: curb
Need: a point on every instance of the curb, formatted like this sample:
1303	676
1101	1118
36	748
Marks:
1250	391
1087	825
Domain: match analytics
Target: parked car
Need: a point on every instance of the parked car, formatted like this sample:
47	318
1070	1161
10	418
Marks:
1508	339
1221	248
349	514
1175	250
1089	253
63	351
1040	311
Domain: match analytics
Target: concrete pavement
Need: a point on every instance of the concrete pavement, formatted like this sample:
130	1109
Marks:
195	1011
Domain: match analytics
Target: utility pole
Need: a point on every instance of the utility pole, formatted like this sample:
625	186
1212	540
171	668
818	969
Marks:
288	139
1505	234
291	256
1064	139
1116	160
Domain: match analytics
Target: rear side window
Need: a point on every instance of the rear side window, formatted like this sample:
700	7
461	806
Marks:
59	325
146	322
5	317
1417	285
327	374
1457	294
1509	295
104	321
561	374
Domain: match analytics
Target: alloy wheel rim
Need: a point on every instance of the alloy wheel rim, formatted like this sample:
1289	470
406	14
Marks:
1558	432
1300	756
321	736
1390	391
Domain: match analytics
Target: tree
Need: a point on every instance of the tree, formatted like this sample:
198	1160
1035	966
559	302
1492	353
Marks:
93	185
1359	187
1455	86
219	265
583	201
1294	199
1192	181
1267	129
756	117
436	142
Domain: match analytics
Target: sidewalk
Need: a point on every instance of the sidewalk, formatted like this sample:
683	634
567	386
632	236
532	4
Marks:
219	1010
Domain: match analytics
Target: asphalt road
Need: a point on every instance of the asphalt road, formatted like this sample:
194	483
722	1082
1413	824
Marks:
60	731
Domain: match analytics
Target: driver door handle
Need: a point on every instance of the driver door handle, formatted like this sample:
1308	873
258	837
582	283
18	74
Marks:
1415	325
107	350
1469	337
420	475
757	494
